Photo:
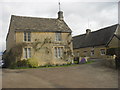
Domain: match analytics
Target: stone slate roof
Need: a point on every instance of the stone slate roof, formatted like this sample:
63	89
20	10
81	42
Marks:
22	23
96	38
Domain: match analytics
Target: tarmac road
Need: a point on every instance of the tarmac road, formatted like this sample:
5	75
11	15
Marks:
92	75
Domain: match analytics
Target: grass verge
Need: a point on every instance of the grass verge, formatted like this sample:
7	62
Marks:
50	66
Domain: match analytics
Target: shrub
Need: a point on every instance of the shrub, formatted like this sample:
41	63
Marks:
76	62
69	63
33	62
10	58
23	63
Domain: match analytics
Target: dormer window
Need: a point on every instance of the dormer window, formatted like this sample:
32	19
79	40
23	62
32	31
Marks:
58	36
27	36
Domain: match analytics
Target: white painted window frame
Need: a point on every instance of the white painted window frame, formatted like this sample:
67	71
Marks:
27	52
92	52
58	52
27	36
101	52
58	36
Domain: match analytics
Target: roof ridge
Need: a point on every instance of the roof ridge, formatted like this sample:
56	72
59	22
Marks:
97	30
106	27
32	17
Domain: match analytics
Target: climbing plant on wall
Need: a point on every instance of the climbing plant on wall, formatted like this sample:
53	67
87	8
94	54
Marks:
14	55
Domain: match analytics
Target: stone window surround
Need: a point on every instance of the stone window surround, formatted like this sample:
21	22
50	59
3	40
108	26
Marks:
27	52
27	36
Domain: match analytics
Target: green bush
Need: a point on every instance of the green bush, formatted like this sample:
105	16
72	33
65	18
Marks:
69	63
76	62
23	63
9	59
33	62
13	55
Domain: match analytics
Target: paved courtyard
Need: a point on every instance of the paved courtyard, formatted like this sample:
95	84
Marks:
92	75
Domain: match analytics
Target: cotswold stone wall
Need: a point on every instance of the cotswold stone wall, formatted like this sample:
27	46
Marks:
43	47
114	43
87	52
10	41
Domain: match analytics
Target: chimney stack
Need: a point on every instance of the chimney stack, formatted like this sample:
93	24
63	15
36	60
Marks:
88	31
60	15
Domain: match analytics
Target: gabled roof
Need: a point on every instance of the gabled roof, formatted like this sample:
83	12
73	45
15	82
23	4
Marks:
22	23
118	36
96	38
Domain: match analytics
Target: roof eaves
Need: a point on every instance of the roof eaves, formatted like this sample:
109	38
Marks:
31	30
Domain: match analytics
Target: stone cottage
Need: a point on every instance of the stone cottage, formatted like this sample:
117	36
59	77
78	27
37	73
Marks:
94	44
47	40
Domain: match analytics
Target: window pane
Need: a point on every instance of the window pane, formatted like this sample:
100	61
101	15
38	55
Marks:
58	52
92	52
55	52
25	36
25	52
29	36
102	51
58	36
29	52
61	52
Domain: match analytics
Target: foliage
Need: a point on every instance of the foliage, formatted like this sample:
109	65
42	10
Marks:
113	51
10	58
89	62
69	63
33	62
13	57
76	62
36	44
23	63
48	66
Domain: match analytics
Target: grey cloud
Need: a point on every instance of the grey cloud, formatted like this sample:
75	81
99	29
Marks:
76	14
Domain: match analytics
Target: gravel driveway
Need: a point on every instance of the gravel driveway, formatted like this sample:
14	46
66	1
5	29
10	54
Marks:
92	75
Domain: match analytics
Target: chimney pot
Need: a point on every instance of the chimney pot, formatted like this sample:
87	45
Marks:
88	31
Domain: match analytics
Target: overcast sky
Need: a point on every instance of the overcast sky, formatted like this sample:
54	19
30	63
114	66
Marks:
78	15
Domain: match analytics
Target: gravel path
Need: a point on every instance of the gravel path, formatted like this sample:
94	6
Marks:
92	75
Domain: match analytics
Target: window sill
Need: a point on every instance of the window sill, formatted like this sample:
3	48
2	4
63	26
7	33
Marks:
28	41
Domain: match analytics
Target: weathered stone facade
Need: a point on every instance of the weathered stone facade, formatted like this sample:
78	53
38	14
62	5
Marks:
42	44
47	52
105	42
87	52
